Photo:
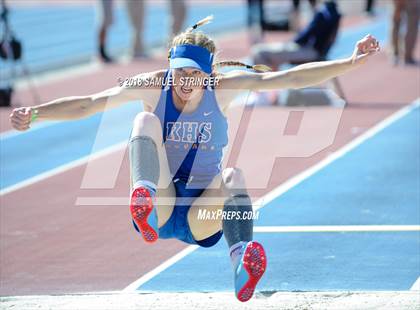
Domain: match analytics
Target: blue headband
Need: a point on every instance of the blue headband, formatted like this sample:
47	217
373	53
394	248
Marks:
188	55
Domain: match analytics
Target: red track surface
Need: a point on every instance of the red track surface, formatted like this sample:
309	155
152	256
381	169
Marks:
49	245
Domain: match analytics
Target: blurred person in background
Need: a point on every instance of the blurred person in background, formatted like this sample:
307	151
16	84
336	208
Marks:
296	4
311	43
104	10
178	14
259	21
255	20
295	17
409	10
369	7
135	11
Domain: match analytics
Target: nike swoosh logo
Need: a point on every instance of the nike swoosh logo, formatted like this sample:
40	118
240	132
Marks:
207	113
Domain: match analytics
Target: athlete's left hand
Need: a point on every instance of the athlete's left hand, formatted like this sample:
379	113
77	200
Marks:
364	48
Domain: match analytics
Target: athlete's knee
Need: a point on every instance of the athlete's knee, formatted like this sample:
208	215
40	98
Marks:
146	123
234	181
146	119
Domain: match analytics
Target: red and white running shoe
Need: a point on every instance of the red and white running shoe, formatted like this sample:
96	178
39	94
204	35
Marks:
251	267
144	214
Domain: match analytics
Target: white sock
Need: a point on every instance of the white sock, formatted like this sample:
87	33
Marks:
149	185
236	252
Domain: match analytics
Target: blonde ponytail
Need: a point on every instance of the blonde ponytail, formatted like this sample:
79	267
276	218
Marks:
232	63
202	22
198	38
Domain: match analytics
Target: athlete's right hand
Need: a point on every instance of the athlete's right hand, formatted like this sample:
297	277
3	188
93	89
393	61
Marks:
20	118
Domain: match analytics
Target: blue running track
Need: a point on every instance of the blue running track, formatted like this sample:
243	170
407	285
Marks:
377	183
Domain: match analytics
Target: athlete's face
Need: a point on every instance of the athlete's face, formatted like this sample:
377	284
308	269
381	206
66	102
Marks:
188	82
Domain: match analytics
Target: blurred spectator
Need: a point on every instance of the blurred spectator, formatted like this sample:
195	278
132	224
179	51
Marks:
256	19
296	4
410	10
369	7
258	22
311	44
295	19
135	10
105	19
178	13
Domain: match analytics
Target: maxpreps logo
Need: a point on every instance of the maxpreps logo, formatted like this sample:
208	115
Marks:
188	132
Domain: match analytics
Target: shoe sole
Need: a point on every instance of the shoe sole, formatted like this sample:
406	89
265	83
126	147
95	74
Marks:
255	264
140	213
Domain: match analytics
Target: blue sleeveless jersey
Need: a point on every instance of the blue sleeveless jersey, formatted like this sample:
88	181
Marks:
194	142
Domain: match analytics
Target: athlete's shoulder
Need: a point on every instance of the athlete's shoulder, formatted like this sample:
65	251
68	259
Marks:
228	88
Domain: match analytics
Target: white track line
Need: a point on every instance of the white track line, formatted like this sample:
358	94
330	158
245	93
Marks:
63	168
291	183
133	286
416	285
13	133
337	154
335	228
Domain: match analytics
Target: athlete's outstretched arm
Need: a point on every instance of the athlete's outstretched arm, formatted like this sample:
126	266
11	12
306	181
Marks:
304	75
76	107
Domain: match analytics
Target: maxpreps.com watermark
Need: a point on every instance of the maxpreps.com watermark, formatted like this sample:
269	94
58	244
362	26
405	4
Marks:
187	81
204	214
